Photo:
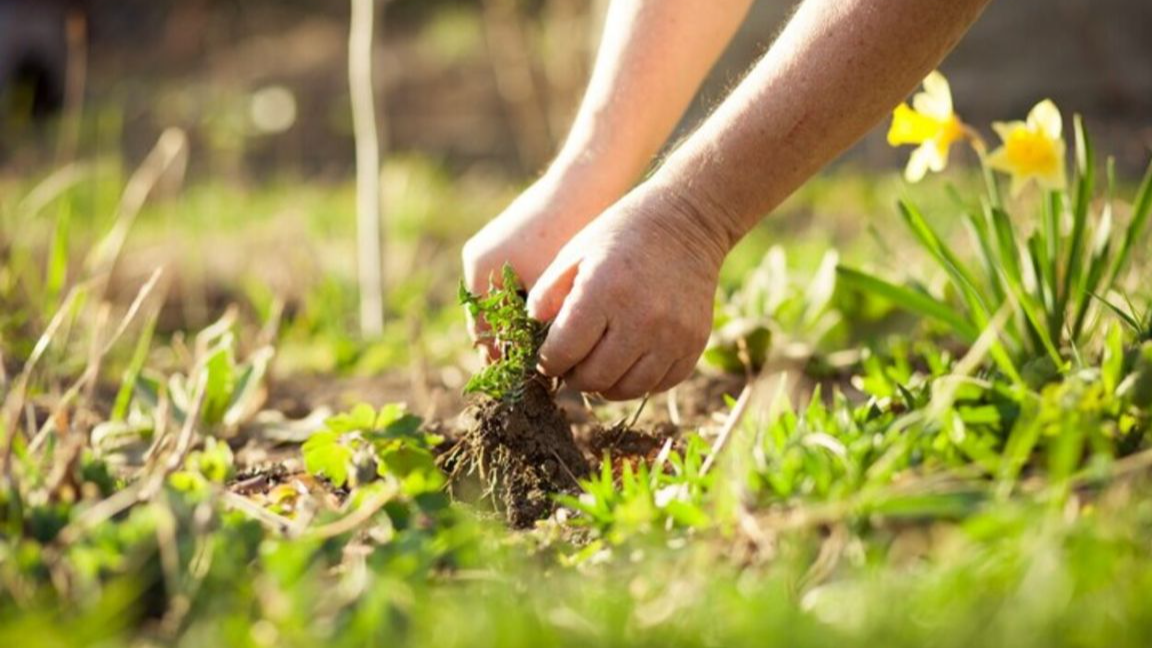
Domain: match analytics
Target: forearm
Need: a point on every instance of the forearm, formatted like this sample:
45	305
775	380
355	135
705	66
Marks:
836	71
653	56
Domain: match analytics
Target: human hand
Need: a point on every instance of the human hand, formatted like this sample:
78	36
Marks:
531	231
630	297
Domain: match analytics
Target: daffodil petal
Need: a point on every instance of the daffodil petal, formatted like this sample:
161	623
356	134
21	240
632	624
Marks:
1004	129
929	106
1056	178
998	160
1045	117
910	127
923	159
937	154
936	100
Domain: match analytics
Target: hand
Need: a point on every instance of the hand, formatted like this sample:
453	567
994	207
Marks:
532	230
630	297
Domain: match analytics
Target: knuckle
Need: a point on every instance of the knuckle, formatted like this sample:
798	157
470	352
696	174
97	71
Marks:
653	319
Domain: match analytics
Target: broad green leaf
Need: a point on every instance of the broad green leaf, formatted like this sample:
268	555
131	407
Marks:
326	456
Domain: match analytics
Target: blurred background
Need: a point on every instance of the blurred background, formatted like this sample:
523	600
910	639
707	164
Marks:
256	204
260	85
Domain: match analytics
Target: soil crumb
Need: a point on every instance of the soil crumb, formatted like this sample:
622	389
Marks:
523	452
622	442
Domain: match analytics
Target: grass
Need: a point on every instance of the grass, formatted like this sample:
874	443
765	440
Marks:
922	479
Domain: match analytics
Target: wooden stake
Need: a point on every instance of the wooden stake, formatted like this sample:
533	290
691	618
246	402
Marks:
368	214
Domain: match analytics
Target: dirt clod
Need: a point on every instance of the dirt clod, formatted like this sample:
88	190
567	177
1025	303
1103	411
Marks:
524	453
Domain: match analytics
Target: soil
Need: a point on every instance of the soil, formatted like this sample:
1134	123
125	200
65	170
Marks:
516	455
629	444
524	453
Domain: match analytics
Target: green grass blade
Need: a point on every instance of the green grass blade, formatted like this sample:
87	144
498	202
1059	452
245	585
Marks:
991	185
1009	247
135	366
1093	281
979	231
1085	186
1128	318
963	279
1053	209
911	300
1038	255
1141	209
1094	277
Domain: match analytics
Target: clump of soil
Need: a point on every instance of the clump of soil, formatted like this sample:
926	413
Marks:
523	451
625	442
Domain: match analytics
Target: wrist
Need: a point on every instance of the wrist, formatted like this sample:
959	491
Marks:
580	188
687	219
700	210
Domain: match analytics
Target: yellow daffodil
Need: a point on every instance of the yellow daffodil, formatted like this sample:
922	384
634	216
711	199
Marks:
1033	149
928	123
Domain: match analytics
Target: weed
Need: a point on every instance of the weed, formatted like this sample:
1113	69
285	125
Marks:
645	498
365	444
516	336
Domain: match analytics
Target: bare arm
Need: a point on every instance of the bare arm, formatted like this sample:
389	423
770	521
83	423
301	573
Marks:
631	295
652	58
837	70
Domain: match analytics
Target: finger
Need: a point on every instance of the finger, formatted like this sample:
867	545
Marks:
678	373
574	333
612	357
547	297
641	379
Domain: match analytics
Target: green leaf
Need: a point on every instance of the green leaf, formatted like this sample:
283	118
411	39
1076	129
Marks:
362	418
220	371
979	230
911	300
1112	364
686	514
930	505
1009	249
1085	185
961	277
326	456
135	366
1141	210
1137	387
517	336
1022	439
406	460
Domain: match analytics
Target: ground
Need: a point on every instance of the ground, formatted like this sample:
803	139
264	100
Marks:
874	456
923	419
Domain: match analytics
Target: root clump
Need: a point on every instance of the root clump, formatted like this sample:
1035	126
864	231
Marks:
523	451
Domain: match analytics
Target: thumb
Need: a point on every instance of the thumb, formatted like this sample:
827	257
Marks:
550	291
